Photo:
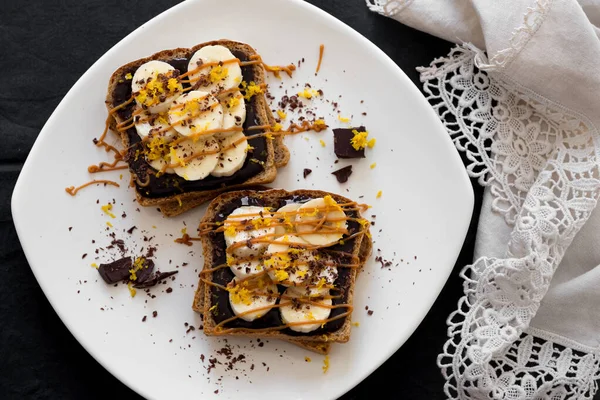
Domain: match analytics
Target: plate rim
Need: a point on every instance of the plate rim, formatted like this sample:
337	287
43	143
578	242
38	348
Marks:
19	188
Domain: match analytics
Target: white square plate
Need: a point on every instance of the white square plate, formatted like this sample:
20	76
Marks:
421	218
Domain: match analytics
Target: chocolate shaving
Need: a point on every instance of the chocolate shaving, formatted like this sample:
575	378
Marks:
159	276
145	272
343	174
306	172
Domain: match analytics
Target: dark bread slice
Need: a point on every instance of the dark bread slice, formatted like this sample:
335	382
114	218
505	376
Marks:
277	153
317	347
362	251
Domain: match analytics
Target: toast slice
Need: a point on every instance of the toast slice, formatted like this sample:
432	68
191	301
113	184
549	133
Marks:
356	244
172	194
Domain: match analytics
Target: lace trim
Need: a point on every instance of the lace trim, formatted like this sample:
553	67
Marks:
533	368
388	8
541	162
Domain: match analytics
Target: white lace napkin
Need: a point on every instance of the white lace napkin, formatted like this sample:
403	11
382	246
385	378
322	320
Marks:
520	94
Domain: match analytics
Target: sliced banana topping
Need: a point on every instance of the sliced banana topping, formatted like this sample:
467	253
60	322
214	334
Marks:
221	76
321	221
244	241
196	112
286	215
199	166
155	85
283	259
252	294
158	152
299	311
147	124
294	265
245	268
234	109
233	157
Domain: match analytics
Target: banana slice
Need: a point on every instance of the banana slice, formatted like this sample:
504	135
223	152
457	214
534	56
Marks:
247	268
155	85
309	292
289	265
289	219
249	295
199	167
158	151
303	312
235	231
147	124
313	211
234	109
298	268
232	159
195	112
214	78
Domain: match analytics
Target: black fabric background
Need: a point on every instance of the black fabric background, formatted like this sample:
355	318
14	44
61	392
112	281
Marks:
45	46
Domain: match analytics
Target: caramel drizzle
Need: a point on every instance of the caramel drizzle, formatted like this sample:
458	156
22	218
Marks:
292	130
264	294
219	327
72	190
208	271
321	49
161	132
254	60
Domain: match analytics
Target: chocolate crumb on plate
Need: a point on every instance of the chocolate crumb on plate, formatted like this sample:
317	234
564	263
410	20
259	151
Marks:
306	172
343	174
370	312
342	143
154	314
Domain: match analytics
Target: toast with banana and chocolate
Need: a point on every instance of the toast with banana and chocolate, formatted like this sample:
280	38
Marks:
194	123
281	265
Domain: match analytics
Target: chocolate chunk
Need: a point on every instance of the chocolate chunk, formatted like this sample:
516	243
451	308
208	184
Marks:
343	174
115	271
306	172
159	276
342	145
130	230
145	272
370	312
